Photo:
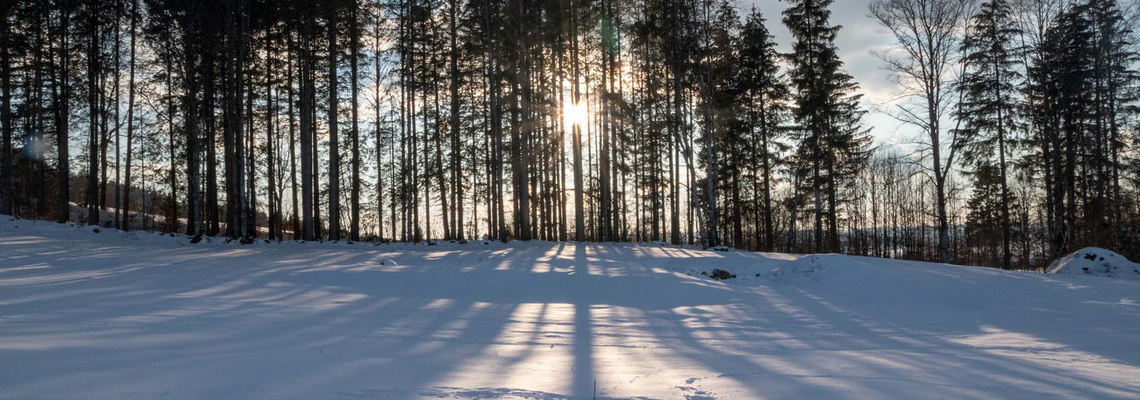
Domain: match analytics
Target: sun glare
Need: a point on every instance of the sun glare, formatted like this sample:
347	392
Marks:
575	113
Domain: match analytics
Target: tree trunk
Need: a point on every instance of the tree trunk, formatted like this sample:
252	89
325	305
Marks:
6	197
296	216
334	139
62	116
94	74
213	213
354	58
306	110
193	145
126	184
274	206
118	206
456	156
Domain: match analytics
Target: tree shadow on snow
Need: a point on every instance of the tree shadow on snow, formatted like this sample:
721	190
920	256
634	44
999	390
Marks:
525	320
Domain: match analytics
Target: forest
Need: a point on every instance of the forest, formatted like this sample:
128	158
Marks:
668	121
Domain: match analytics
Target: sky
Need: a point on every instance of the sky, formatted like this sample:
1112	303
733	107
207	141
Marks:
858	37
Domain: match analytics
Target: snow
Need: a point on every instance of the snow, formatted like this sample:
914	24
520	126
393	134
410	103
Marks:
1095	261
114	315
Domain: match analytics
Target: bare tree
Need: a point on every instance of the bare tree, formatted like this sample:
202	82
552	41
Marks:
927	34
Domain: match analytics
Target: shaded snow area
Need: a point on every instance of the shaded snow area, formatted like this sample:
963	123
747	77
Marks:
1095	261
115	315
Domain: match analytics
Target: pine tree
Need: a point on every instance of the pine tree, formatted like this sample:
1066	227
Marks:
987	219
720	128
764	109
1116	91
1079	85
832	144
989	100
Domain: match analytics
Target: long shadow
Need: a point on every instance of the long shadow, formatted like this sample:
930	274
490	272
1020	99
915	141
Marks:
883	351
583	375
271	321
1005	318
229	307
1063	310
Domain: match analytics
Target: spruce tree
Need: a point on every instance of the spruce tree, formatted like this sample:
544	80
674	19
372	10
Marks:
832	142
1080	85
989	100
763	104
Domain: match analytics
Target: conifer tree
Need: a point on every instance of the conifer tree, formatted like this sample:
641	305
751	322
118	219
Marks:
764	96
832	143
989	100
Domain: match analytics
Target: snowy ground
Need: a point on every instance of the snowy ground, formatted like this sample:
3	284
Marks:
115	315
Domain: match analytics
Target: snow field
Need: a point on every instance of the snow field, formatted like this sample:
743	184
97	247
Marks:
115	315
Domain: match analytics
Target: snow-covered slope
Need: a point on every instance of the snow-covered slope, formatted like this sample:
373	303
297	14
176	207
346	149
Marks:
115	315
1095	261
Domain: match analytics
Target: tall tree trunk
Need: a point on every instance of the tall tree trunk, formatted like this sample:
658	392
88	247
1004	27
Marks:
334	139
456	155
497	148
271	133
213	212
766	169
125	225
6	197
36	102
62	94
118	206
193	141
237	25
1007	254
438	172
296	216
522	127
94	75
605	201
104	131
306	111
379	141
817	189
354	59
677	127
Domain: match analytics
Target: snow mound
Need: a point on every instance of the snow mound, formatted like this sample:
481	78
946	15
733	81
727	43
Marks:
1096	261
813	268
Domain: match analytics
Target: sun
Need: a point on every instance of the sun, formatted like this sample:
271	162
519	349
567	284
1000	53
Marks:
575	113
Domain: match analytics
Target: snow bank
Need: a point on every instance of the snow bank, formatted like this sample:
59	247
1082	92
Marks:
806	268
816	268
1096	261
